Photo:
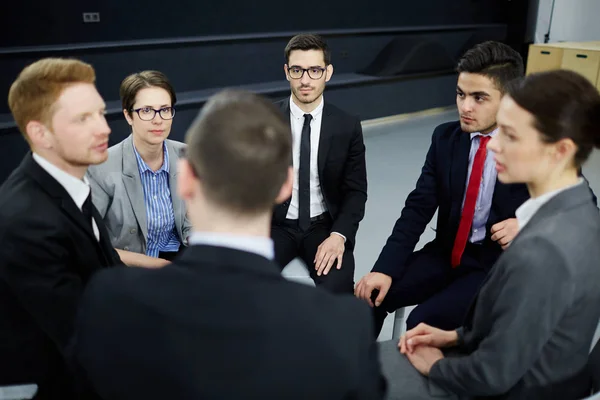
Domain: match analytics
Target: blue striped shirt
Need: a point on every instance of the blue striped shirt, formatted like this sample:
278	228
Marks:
162	234
486	190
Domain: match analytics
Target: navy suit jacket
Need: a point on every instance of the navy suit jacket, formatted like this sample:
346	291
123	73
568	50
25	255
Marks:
441	187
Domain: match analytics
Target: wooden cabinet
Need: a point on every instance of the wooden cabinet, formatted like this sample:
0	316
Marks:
543	58
582	57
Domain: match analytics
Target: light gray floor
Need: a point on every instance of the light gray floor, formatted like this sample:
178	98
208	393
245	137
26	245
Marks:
395	155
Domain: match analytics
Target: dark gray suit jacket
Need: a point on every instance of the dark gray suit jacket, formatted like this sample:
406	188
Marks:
118	194
533	321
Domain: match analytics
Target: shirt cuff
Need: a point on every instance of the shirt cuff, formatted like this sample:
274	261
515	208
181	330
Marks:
339	234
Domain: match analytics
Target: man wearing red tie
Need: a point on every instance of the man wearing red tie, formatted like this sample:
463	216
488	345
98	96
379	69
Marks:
476	213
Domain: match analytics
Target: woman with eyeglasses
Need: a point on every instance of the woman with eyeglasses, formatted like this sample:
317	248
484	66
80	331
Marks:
134	190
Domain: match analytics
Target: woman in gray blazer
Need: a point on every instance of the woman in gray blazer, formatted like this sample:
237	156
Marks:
530	329
135	189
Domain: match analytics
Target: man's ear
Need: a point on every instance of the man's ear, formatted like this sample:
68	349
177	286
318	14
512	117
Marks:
186	179
286	189
329	72
38	135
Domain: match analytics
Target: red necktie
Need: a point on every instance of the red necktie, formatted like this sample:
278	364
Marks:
466	219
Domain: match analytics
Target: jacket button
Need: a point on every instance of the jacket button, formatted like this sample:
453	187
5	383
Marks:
132	231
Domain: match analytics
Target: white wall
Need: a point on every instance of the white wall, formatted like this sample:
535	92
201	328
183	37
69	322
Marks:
572	20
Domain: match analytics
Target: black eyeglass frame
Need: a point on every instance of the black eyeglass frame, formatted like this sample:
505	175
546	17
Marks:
159	112
307	70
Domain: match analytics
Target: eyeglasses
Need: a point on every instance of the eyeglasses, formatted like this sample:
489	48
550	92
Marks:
313	72
148	113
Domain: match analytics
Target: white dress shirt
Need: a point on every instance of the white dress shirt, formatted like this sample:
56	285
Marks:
528	209
78	189
263	246
317	202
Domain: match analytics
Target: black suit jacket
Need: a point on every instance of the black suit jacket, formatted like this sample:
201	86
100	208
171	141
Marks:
342	170
221	323
47	254
441	187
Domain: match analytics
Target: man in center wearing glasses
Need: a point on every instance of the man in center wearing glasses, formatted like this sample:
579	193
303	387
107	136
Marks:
318	223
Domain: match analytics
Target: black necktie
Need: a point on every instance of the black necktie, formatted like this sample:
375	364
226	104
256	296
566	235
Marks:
86	209
304	176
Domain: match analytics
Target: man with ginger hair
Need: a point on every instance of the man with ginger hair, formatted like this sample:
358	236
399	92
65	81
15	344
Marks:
52	238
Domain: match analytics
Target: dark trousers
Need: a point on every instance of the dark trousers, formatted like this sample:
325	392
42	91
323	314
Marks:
443	293
291	242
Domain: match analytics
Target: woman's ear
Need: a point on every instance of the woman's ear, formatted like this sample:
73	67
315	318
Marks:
128	117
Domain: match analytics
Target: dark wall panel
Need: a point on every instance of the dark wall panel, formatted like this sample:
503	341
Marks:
37	22
204	65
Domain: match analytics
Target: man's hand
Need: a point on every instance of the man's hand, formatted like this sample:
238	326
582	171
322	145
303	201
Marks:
371	281
424	357
425	335
330	250
505	231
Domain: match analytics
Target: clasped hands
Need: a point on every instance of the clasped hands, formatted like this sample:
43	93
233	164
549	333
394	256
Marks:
422	345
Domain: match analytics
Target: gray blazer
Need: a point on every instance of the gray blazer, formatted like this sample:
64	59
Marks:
118	194
533	321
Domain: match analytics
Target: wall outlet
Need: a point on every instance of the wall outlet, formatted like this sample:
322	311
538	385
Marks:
89	17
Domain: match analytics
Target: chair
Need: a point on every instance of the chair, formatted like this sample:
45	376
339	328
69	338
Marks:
296	271
594	369
399	323
18	392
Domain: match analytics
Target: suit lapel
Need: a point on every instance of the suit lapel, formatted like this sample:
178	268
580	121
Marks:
106	247
459	169
285	109
133	185
66	203
58	193
328	127
73	212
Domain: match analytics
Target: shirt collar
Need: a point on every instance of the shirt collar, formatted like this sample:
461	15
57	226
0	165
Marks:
78	189
299	114
143	167
491	134
263	246
528	209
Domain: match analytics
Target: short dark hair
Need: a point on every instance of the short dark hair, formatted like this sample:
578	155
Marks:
141	80
240	146
564	104
495	60
308	41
